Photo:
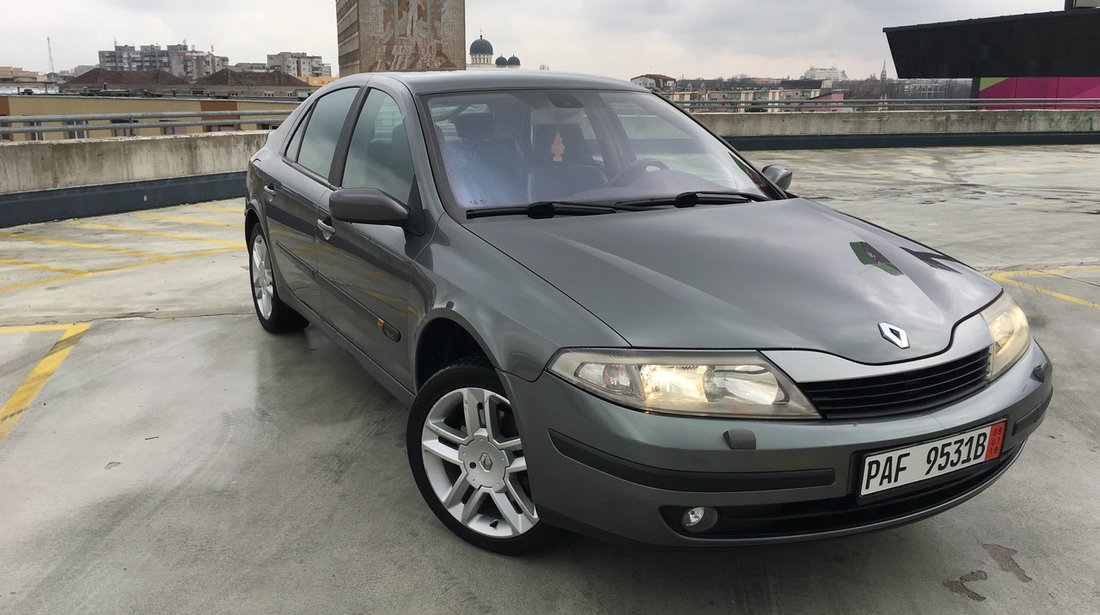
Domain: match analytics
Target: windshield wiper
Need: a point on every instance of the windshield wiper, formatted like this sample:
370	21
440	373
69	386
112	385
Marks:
691	199
545	209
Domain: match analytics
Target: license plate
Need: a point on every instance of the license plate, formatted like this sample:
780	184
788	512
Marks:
913	464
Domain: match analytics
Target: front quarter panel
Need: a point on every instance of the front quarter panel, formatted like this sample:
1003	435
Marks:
518	319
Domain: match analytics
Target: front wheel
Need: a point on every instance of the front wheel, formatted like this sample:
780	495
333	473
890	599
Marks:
467	457
274	315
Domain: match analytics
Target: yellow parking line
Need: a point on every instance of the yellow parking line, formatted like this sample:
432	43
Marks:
146	263
24	396
84	246
186	220
43	267
33	328
165	234
224	209
1009	278
55	279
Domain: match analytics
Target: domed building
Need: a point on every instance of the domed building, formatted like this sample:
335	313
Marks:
481	57
481	53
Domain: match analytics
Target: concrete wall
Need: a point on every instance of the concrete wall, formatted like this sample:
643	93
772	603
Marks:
899	122
49	165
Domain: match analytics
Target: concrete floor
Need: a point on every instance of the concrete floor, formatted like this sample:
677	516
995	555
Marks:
175	458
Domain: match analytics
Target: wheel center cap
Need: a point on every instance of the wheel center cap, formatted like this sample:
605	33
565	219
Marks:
485	464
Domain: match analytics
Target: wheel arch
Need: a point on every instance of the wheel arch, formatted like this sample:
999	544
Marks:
443	339
251	219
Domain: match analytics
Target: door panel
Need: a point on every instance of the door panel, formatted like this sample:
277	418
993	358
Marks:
365	270
293	227
294	186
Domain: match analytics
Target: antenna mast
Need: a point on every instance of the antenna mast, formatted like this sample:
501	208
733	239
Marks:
49	48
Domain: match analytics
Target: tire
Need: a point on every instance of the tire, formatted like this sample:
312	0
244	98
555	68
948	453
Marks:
274	315
475	481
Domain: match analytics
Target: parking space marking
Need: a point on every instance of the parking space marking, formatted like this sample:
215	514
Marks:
221	208
1009	278
40	266
84	246
20	401
164	234
186	220
164	258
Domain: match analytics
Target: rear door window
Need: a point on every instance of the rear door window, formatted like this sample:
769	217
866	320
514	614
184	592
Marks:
323	130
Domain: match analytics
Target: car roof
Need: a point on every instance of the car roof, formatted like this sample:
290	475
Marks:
472	80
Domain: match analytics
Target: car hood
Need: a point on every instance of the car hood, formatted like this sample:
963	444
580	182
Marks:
773	275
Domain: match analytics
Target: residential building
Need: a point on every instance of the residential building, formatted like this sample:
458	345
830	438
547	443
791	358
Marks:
655	82
180	60
130	58
820	73
383	35
193	65
13	74
298	64
831	102
76	71
924	88
250	67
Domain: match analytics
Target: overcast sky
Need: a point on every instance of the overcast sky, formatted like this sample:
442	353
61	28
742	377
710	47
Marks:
619	38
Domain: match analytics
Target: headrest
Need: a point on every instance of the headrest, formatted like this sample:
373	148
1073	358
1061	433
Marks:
474	126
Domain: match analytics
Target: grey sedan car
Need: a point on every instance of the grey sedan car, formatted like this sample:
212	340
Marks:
605	319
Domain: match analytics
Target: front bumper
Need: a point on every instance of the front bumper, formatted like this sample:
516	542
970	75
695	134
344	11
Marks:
613	472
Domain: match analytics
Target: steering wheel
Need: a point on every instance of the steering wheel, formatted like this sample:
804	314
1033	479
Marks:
634	171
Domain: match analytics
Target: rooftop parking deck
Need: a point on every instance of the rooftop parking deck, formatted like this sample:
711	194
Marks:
160	453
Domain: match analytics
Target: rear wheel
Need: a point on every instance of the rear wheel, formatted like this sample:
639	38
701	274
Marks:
467	457
274	315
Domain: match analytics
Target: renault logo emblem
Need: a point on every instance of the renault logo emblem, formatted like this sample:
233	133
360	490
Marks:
894	335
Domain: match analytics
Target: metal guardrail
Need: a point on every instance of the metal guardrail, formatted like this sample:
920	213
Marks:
900	104
132	121
80	124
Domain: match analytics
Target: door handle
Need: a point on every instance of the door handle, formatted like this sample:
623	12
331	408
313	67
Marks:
326	228
270	189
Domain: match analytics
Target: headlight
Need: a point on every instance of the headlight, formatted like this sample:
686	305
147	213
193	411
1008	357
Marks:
689	383
1011	336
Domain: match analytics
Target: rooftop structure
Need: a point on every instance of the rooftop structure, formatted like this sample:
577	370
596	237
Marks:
1053	44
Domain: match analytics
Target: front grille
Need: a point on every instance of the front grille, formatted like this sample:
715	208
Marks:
902	393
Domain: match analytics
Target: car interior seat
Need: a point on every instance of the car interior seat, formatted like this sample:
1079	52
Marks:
562	164
485	169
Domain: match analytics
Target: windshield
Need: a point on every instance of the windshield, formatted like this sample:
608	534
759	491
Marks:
513	148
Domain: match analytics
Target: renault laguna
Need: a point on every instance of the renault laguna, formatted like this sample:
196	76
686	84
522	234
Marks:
605	319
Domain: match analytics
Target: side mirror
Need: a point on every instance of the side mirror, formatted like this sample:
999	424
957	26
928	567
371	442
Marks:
367	206
780	176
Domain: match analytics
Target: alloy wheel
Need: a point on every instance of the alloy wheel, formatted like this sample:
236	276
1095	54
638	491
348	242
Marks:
263	285
473	457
